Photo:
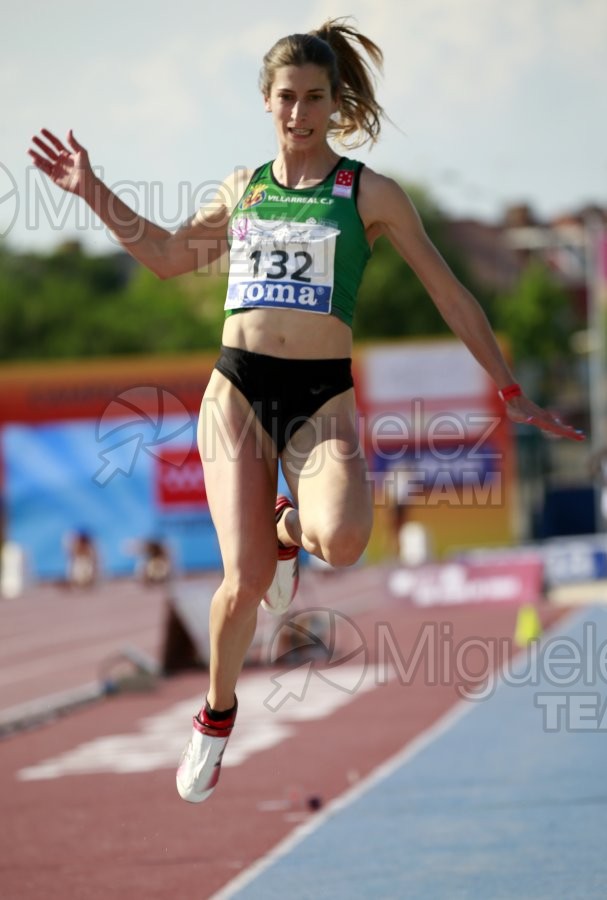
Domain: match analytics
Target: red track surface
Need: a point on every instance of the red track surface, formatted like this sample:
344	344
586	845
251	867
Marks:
129	836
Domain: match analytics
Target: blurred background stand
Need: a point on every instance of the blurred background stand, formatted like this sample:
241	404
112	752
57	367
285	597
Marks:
12	570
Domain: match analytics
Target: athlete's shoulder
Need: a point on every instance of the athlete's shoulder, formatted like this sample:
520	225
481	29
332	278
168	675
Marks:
370	180
381	197
235	185
220	203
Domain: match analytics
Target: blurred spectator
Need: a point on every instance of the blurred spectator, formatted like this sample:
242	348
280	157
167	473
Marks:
412	538
155	567
83	564
402	479
154	564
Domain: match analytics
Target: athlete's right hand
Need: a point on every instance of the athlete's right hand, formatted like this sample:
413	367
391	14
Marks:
68	169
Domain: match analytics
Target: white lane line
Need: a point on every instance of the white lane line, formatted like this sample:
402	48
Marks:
318	819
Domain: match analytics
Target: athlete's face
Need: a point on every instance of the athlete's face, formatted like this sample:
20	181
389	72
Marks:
301	105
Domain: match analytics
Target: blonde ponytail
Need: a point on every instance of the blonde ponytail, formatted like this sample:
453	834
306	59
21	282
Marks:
360	114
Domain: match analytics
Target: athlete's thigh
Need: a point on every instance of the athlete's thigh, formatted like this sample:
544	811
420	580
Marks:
240	469
325	467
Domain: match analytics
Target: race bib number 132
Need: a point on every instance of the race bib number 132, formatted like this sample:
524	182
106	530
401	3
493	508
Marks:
281	265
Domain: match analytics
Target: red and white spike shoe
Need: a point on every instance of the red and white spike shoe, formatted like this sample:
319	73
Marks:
286	578
200	765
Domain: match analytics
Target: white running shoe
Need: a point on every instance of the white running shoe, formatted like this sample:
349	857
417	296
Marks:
200	765
286	578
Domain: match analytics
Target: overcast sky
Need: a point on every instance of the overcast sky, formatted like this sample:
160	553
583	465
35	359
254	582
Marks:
493	102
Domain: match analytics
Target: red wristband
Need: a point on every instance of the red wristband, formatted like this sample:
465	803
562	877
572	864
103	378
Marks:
507	393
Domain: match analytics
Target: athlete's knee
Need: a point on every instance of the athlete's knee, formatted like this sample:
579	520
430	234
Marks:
243	590
344	545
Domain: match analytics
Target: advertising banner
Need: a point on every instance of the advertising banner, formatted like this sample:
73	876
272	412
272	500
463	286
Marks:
134	481
517	580
438	445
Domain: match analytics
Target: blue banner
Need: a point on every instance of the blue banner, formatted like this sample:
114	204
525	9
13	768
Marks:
122	481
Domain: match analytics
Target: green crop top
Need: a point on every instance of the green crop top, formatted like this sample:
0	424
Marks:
301	249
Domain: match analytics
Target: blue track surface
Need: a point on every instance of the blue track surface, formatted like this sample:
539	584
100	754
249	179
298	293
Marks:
498	805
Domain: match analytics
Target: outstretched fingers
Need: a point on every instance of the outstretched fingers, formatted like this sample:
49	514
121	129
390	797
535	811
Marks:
51	154
67	166
550	424
41	162
559	429
521	409
57	144
52	151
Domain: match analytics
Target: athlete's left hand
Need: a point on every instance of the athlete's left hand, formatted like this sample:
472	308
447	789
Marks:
525	411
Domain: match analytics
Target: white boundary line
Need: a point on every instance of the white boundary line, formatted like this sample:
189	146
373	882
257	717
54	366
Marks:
383	771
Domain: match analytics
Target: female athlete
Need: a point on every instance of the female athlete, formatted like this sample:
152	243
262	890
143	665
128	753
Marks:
299	231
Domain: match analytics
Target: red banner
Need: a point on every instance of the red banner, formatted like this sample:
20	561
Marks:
179	482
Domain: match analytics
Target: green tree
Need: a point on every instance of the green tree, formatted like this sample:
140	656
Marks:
537	317
392	301
68	305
